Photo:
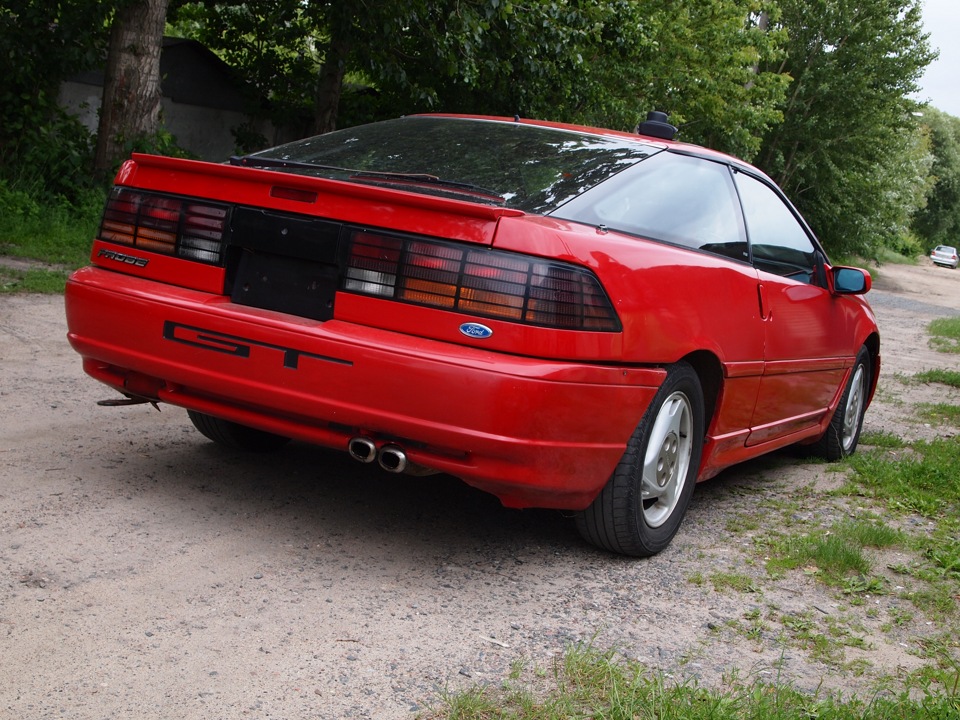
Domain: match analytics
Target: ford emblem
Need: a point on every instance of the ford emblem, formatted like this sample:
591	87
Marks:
476	330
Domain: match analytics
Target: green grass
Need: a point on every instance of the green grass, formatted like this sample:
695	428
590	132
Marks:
737	582
57	236
922	481
589	685
881	440
944	377
52	233
945	334
939	413
33	280
885	256
837	555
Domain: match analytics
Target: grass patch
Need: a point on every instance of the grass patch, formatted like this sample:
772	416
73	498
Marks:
588	684
837	555
882	440
885	256
51	232
944	377
939	413
945	334
32	280
733	581
923	481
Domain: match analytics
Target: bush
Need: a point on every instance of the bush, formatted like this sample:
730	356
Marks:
908	245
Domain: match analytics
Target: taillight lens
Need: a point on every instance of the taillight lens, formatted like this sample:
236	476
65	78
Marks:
482	282
187	228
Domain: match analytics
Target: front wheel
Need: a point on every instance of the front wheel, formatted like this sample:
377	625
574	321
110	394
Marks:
640	508
843	433
234	435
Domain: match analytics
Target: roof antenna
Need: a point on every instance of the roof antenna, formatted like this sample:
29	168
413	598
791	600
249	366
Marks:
656	125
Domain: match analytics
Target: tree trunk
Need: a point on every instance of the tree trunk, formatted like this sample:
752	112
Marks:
330	86
130	109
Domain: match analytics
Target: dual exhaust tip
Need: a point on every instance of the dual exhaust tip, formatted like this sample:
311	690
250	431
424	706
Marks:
391	457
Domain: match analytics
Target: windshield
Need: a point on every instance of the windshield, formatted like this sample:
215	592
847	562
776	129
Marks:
530	168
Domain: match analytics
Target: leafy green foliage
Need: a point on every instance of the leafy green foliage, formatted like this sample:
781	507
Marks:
41	148
849	152
594	62
938	223
733	581
271	44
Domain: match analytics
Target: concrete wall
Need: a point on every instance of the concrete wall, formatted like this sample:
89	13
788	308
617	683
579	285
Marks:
202	100
204	132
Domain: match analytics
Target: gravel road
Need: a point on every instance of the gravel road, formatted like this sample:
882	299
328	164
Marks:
147	573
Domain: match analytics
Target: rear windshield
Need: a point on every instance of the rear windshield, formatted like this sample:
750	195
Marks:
530	168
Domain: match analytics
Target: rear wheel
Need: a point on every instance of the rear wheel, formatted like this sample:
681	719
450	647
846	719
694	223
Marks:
640	509
843	433
234	435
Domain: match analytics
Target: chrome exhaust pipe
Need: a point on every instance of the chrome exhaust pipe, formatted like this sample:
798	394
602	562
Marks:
362	449
392	459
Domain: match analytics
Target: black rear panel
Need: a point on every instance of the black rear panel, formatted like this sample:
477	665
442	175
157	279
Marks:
286	263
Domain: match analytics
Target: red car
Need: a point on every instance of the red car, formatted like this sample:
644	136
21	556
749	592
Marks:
565	317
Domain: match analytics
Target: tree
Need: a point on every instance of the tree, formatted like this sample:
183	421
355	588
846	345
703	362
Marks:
706	62
271	45
130	109
593	61
847	118
40	146
939	222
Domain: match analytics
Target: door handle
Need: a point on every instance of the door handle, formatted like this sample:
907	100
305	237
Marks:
762	301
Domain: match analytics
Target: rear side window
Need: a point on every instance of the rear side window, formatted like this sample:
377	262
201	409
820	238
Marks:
678	199
779	242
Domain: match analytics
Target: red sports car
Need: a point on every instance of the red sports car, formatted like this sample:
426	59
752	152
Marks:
566	317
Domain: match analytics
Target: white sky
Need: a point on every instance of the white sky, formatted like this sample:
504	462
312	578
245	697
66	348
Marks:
940	85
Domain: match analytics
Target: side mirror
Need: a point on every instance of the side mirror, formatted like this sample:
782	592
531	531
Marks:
851	281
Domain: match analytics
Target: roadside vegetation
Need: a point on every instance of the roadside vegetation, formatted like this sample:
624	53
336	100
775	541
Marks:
884	543
818	95
52	233
945	335
590	684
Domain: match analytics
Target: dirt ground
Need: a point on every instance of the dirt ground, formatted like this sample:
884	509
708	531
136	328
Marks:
147	573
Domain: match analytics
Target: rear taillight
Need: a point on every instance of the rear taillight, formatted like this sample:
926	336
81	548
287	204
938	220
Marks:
481	282
184	227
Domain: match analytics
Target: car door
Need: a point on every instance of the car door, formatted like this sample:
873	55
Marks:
807	346
683	303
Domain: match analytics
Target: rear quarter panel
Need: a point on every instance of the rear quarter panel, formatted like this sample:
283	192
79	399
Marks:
671	301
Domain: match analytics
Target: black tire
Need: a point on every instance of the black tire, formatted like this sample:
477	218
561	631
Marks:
635	518
843	433
236	436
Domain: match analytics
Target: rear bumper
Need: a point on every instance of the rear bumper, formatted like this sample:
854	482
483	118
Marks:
535	433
